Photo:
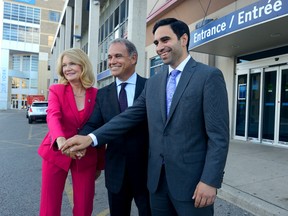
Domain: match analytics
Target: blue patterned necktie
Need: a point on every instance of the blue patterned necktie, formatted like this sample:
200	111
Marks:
170	89
123	97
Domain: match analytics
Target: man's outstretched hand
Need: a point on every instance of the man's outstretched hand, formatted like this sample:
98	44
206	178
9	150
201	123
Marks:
76	143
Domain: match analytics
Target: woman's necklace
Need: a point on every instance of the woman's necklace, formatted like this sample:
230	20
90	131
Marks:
79	95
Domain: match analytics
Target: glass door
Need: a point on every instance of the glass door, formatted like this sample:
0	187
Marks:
269	104
261	102
254	120
241	106
283	106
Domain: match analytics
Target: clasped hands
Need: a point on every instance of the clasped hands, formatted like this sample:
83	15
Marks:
74	147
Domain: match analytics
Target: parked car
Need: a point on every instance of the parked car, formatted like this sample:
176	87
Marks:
37	111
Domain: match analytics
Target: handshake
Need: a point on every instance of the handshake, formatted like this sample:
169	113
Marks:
74	147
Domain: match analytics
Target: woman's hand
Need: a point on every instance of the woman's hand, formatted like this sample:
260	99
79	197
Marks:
60	142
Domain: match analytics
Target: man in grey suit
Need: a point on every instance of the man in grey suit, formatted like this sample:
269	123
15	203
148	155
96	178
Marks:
126	158
188	145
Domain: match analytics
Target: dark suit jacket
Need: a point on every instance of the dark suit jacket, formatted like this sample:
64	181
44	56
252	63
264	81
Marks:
193	140
129	152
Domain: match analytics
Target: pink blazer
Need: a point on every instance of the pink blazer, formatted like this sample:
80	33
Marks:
63	120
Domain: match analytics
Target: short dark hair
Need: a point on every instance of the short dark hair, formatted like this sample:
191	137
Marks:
131	48
177	26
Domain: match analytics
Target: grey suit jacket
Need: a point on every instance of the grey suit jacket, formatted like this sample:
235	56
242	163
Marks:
193	140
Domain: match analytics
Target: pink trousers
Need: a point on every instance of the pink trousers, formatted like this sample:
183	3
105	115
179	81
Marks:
53	183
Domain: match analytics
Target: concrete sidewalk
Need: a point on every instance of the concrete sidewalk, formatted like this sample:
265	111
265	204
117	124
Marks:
256	178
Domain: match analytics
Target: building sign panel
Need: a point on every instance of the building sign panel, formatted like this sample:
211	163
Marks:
26	1
259	12
3	88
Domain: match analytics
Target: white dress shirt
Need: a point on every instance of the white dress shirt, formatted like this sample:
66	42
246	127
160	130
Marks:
130	92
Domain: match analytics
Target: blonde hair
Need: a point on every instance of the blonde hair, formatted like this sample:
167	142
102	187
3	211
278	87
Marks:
78	57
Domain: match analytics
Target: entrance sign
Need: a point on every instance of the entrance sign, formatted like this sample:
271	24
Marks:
261	11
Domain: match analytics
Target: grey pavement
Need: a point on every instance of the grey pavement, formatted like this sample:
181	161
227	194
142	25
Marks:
256	178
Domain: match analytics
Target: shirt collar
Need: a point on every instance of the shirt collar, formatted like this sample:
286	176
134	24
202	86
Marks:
131	80
181	66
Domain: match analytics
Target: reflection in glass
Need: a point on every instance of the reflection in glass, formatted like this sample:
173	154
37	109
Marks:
283	127
269	105
254	105
241	105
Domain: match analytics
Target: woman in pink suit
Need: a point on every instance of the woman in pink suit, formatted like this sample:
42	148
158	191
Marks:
70	104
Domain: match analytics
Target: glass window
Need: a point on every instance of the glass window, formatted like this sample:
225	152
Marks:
114	27
85	48
102	33
54	16
7	10
37	16
106	29
15	12
283	124
16	62
6	31
34	83
254	104
116	18
127	8
269	98
110	24
21	33
26	63
35	35
122	11
241	105
25	83
34	63
14	85
156	65
29	17
22	13
123	30
29	35
14	32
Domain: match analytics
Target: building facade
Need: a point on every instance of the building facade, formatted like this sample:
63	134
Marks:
246	39
27	34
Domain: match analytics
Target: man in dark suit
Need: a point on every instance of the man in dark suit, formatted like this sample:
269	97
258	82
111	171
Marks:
188	141
126	157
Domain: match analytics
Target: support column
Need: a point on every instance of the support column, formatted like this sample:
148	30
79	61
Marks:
68	27
53	69
4	80
42	77
93	34
137	31
77	24
62	38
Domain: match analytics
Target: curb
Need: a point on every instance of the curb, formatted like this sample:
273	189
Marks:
250	203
